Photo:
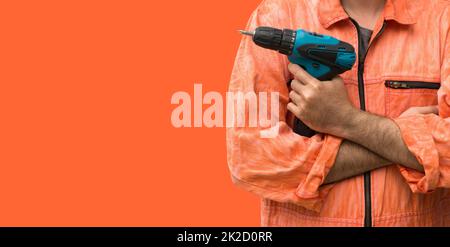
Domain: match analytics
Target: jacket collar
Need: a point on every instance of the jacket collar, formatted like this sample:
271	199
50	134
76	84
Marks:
401	11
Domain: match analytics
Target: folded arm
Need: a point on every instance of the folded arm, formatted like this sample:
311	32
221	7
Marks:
354	159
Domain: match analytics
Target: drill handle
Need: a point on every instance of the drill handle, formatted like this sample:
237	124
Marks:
302	129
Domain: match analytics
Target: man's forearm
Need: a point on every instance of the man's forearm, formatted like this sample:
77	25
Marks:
381	136
352	160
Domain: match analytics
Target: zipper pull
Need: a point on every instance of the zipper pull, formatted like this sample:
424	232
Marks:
396	84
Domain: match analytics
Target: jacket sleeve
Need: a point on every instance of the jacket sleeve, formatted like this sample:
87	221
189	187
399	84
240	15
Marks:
288	167
428	136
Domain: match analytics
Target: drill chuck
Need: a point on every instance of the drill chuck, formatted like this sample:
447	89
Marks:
279	40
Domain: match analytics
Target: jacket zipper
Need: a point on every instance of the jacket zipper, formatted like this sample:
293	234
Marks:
412	85
362	102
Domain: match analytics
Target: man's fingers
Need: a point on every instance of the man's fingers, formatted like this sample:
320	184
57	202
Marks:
295	97
428	110
301	75
297	86
421	110
293	108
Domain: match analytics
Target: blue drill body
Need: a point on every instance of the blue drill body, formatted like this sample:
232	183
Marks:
322	56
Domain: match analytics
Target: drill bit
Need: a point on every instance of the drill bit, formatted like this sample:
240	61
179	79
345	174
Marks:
249	33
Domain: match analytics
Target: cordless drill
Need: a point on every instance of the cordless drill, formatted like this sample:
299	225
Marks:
322	56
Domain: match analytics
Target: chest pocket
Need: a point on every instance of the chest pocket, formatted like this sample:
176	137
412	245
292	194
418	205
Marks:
401	95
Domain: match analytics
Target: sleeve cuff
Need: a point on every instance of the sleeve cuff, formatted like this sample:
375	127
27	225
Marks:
416	134
309	190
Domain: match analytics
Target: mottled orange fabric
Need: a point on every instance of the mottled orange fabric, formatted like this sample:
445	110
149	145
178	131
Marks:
288	171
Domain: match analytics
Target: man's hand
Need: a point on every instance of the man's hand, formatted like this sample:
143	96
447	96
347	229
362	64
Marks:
323	106
420	110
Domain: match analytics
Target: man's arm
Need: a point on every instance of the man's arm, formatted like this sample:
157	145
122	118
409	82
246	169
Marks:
353	160
380	135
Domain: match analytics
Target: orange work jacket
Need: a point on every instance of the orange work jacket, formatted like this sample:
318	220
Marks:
409	54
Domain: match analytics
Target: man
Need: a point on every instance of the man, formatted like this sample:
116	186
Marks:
382	155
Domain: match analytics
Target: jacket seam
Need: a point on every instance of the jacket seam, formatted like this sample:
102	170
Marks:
414	91
412	213
328	220
447	34
254	185
257	186
318	219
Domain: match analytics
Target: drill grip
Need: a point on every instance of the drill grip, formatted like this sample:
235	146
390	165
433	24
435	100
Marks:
302	129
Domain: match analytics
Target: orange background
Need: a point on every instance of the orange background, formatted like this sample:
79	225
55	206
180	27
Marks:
85	131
